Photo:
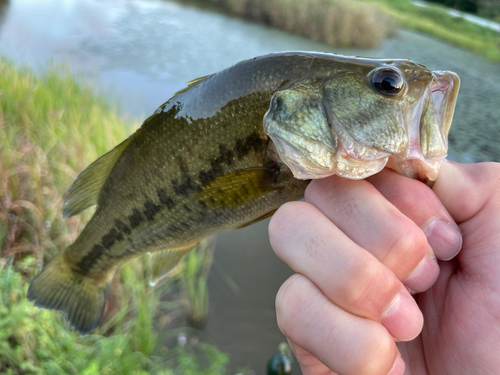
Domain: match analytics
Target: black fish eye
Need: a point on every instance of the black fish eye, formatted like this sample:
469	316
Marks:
388	81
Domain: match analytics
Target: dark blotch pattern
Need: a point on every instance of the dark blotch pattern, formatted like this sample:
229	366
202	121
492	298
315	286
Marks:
245	146
183	188
186	185
225	157
165	200
109	239
151	209
122	227
85	265
135	218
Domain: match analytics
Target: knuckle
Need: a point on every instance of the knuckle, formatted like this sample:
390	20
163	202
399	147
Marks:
380	353
372	287
409	241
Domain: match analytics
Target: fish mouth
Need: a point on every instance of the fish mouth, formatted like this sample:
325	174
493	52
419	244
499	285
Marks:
444	91
428	123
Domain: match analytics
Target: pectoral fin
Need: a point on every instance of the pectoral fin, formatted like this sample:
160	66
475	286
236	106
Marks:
162	262
235	189
85	190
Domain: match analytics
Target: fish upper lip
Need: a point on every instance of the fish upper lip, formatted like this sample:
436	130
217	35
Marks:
442	94
446	84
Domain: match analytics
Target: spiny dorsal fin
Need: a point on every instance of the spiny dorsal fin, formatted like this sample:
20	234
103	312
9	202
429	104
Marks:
193	83
85	190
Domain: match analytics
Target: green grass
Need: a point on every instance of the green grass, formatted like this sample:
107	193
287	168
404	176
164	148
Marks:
51	127
193	282
435	21
34	341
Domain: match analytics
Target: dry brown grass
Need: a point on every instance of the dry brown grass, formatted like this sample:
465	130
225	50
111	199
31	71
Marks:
339	23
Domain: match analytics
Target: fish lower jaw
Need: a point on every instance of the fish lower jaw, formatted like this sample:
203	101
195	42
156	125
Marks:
310	161
306	164
416	167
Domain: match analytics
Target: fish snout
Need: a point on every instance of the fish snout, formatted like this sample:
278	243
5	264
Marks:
428	122
444	92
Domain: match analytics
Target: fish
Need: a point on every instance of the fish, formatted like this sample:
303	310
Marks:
230	148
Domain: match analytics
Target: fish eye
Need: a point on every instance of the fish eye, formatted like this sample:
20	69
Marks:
388	81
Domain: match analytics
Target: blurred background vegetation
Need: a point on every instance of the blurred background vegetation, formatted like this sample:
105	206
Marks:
51	127
56	119
483	8
366	23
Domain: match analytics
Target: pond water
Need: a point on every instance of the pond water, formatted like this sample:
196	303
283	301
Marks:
142	51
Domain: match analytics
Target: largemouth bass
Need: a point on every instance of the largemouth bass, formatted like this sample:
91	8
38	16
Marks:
232	147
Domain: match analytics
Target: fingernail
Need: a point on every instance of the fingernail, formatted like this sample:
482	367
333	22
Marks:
398	368
423	276
403	319
445	239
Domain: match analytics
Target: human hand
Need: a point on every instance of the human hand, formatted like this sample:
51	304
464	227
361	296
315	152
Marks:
358	245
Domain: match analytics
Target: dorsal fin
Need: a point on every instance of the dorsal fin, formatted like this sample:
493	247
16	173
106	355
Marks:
193	83
85	190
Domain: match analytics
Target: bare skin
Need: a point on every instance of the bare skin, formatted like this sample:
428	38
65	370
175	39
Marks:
359	247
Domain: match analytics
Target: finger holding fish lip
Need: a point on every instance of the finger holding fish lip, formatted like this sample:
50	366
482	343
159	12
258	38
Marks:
373	223
419	203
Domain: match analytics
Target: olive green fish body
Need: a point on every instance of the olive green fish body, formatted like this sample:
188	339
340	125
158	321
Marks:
156	196
230	149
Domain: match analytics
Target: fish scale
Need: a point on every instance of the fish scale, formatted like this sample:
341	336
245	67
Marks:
227	151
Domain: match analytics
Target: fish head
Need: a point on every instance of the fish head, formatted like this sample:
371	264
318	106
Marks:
362	116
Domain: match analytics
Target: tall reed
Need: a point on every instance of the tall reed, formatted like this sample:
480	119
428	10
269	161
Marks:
339	23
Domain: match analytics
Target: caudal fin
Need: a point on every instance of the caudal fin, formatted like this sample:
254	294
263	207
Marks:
80	298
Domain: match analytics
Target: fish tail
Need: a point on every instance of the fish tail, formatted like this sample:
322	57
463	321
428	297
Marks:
80	298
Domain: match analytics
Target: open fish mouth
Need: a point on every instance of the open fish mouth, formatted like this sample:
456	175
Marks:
428	123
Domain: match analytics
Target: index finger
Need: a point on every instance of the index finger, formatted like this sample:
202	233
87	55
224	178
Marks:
420	204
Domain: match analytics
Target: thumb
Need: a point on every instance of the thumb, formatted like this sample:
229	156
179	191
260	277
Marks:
466	190
471	194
